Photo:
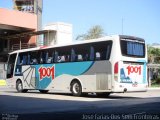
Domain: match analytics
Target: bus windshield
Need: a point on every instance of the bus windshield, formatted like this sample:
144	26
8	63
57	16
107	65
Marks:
132	48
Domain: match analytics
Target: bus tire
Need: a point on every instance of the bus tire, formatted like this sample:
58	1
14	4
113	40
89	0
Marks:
19	87
76	88
43	91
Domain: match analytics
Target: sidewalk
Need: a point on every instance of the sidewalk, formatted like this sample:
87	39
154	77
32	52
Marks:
154	88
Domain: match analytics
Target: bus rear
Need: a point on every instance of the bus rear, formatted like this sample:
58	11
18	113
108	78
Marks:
130	69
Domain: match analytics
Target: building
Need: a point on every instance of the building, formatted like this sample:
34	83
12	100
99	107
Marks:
18	28
58	33
24	18
21	28
155	45
10	26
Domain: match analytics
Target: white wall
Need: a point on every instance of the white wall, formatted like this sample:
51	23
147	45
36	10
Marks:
62	33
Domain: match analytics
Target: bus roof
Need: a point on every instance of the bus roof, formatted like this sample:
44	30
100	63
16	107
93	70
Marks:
79	42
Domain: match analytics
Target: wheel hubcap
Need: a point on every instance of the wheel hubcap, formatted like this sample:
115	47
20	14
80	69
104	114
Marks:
19	86
76	88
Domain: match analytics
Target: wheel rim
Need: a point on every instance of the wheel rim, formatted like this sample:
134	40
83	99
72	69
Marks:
20	86
76	88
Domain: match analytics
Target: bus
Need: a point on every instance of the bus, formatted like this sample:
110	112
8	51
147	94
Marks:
111	64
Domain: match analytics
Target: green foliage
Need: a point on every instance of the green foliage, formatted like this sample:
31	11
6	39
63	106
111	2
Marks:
155	85
153	55
94	32
153	51
156	82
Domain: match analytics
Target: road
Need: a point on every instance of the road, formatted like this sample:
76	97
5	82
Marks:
37	106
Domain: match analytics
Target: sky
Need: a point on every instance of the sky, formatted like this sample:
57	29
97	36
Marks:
139	18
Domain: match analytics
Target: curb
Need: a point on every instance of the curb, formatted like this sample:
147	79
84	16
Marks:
154	88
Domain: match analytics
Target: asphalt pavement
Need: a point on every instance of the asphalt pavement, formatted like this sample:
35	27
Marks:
53	106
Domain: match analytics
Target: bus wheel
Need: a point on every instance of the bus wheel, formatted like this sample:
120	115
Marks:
43	91
19	87
76	88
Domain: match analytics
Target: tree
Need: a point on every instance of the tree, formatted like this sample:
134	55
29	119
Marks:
150	54
153	54
94	32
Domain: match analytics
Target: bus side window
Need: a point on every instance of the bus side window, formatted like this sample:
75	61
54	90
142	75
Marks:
29	59
49	60
43	57
34	61
40	58
61	58
80	58
85	57
103	55
92	53
46	57
24	62
108	52
98	56
56	57
19	60
73	55
33	57
67	58
52	57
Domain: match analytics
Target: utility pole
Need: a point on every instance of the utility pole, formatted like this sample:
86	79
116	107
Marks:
122	25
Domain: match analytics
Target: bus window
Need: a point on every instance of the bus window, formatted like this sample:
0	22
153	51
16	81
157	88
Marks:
67	58
49	60
24	62
42	57
132	48
73	55
102	50
33	56
63	54
19	60
28	59
108	52
46	57
82	52
49	56
80	58
22	59
91	53
85	56
61	58
56	57
52	56
98	55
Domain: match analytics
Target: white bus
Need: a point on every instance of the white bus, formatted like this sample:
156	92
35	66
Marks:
105	65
